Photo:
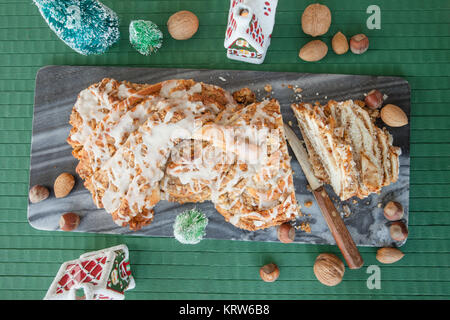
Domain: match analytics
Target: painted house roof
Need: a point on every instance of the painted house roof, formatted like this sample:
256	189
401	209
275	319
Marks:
261	14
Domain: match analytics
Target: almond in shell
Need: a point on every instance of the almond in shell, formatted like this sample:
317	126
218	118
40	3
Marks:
389	255
393	116
63	185
313	51
339	43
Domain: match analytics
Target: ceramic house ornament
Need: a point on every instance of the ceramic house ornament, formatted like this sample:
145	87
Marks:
100	275
249	29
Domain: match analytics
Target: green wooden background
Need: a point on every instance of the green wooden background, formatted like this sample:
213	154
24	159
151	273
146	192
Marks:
413	43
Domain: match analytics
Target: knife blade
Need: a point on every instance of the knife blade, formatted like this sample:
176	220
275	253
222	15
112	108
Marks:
332	217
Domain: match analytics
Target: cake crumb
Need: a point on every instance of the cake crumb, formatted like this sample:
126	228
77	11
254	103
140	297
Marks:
290	123
379	205
268	88
304	226
298	90
308	204
347	212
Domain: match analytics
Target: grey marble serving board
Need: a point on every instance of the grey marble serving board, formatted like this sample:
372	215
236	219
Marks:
57	88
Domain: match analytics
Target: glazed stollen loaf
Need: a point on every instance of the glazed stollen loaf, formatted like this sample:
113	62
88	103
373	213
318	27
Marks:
136	146
257	191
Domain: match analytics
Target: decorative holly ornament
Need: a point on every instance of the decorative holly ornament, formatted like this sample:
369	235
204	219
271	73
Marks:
189	227
145	36
87	26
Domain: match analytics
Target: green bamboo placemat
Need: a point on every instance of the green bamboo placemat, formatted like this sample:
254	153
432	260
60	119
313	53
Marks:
413	42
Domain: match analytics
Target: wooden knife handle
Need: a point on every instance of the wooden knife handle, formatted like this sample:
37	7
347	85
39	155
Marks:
338	229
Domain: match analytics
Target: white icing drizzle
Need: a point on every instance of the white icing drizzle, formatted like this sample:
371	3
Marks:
134	136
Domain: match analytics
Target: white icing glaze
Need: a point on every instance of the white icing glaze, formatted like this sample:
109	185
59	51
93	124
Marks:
128	150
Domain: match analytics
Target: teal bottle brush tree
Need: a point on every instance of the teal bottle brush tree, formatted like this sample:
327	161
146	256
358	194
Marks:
87	26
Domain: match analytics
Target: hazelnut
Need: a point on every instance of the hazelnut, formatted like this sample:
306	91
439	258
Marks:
63	185
389	255
38	193
182	25
329	269
398	231
316	19
269	272
393	211
359	43
374	99
69	221
286	233
339	43
393	116
313	51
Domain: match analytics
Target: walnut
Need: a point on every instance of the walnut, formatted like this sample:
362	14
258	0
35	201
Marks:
316	19
182	25
329	269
